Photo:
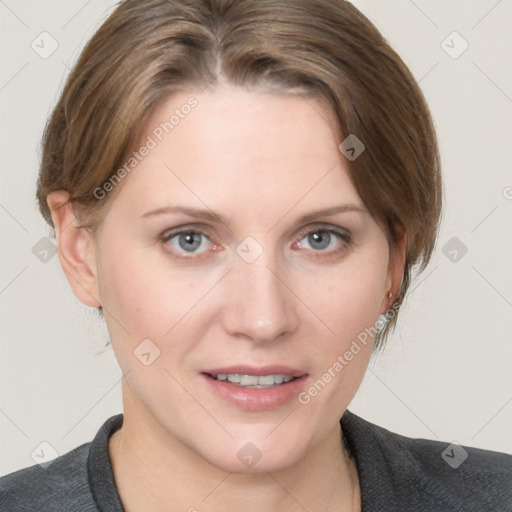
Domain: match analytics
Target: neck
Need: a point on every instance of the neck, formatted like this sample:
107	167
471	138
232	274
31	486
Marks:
155	471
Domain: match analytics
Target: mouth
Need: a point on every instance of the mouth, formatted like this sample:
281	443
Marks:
255	388
253	381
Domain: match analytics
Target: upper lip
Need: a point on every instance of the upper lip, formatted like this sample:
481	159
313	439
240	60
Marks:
244	369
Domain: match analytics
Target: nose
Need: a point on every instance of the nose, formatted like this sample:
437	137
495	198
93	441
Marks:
260	307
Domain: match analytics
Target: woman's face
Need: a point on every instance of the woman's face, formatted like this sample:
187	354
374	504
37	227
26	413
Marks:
250	286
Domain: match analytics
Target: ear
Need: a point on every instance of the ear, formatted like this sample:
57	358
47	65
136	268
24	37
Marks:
395	271
76	249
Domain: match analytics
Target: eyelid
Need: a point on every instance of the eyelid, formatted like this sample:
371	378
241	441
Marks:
169	233
325	227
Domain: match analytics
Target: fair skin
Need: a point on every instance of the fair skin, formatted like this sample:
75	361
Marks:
261	161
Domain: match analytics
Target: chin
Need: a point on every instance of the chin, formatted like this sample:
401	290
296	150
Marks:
263	465
246	456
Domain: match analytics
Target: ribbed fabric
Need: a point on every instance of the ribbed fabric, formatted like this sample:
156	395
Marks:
396	473
399	474
99	470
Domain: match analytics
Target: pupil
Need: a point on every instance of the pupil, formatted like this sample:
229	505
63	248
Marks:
320	239
190	241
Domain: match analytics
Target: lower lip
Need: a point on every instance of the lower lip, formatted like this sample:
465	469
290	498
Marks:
256	399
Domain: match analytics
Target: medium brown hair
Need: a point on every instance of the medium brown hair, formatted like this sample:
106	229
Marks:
147	49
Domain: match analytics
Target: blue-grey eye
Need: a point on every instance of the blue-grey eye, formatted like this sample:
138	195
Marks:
188	241
324	240
321	239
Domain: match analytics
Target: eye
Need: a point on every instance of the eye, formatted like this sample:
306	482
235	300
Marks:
324	240
188	241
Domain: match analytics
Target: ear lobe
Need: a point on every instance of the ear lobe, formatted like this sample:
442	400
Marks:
76	249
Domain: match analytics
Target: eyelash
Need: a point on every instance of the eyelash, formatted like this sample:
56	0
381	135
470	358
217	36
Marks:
342	235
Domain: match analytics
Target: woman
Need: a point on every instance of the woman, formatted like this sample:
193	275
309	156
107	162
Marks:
243	188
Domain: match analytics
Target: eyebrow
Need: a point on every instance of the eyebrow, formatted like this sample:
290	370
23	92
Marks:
214	217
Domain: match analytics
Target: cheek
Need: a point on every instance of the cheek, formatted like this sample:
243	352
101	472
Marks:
137	299
351	309
351	298
339	360
145	299
134	289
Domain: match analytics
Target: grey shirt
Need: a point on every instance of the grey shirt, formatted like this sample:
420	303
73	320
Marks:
396	474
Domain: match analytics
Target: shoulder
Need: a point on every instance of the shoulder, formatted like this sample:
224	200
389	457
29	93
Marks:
62	485
442	474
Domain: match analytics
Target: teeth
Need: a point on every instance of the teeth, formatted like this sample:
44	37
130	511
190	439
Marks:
256	381
265	380
252	380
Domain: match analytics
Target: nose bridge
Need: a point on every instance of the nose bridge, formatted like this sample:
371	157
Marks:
260	306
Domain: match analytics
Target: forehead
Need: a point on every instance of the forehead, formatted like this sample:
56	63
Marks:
234	146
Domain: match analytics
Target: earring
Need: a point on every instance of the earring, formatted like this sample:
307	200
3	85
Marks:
390	294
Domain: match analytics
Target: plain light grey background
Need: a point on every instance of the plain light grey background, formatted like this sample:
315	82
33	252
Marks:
446	370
